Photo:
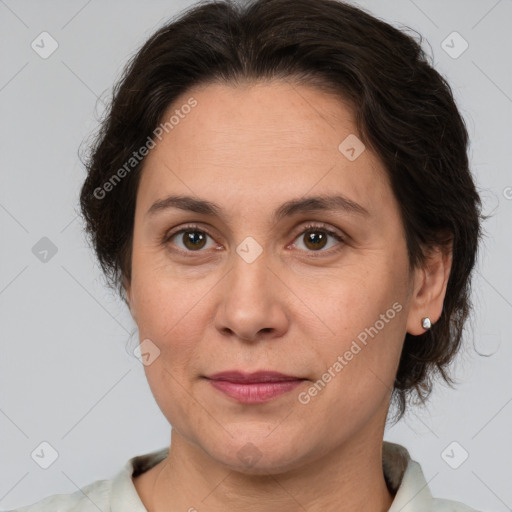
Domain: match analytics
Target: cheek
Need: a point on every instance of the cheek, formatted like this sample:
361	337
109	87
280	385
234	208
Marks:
165	303
167	314
174	314
359	295
359	363
366	312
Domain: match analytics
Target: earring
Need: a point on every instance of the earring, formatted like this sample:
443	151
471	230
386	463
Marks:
426	323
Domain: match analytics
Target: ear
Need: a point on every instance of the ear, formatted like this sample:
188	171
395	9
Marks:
430	284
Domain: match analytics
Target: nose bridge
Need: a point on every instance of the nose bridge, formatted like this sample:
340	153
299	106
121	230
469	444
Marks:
249	302
250	273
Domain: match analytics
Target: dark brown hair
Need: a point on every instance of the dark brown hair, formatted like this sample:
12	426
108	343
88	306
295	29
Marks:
404	109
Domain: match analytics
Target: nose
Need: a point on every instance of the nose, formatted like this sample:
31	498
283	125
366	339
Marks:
252	306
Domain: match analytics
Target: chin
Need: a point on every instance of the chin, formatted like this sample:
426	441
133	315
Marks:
259	456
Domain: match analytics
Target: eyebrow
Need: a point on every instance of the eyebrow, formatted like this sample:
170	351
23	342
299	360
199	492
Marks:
293	207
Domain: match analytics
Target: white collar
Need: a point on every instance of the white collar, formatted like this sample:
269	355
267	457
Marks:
406	479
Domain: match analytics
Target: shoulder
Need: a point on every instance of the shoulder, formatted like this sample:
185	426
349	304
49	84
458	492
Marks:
117	494
89	499
440	505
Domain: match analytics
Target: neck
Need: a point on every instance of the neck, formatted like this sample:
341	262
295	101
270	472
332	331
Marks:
346	479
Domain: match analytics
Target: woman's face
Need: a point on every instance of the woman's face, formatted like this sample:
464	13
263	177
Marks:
248	289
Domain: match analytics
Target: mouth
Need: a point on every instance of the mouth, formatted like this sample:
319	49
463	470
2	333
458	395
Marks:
254	388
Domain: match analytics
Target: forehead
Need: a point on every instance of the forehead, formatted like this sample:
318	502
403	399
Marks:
260	140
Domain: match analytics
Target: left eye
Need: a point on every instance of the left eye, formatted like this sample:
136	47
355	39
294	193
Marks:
316	238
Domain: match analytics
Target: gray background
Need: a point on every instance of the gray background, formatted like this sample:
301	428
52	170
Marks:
67	374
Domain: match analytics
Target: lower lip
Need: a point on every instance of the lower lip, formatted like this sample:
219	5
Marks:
254	392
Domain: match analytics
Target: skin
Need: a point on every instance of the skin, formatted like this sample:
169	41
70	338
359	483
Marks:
294	309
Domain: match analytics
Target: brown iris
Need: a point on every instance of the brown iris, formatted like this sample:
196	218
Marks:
317	239
194	239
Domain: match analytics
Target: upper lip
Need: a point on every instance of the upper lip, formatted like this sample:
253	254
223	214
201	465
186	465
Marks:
259	376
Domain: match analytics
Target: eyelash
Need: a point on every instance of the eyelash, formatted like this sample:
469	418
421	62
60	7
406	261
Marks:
307	229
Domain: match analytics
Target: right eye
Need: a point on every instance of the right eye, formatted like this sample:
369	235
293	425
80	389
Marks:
191	238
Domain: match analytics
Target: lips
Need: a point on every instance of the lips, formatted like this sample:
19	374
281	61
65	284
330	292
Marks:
253	388
260	376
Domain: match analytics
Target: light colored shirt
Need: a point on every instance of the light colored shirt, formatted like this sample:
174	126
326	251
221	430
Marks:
404	477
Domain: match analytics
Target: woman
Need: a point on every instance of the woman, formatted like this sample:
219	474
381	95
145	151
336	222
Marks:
281	194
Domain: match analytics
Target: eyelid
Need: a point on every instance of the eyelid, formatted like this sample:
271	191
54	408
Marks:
312	225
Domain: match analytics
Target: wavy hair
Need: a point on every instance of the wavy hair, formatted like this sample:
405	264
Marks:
405	112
